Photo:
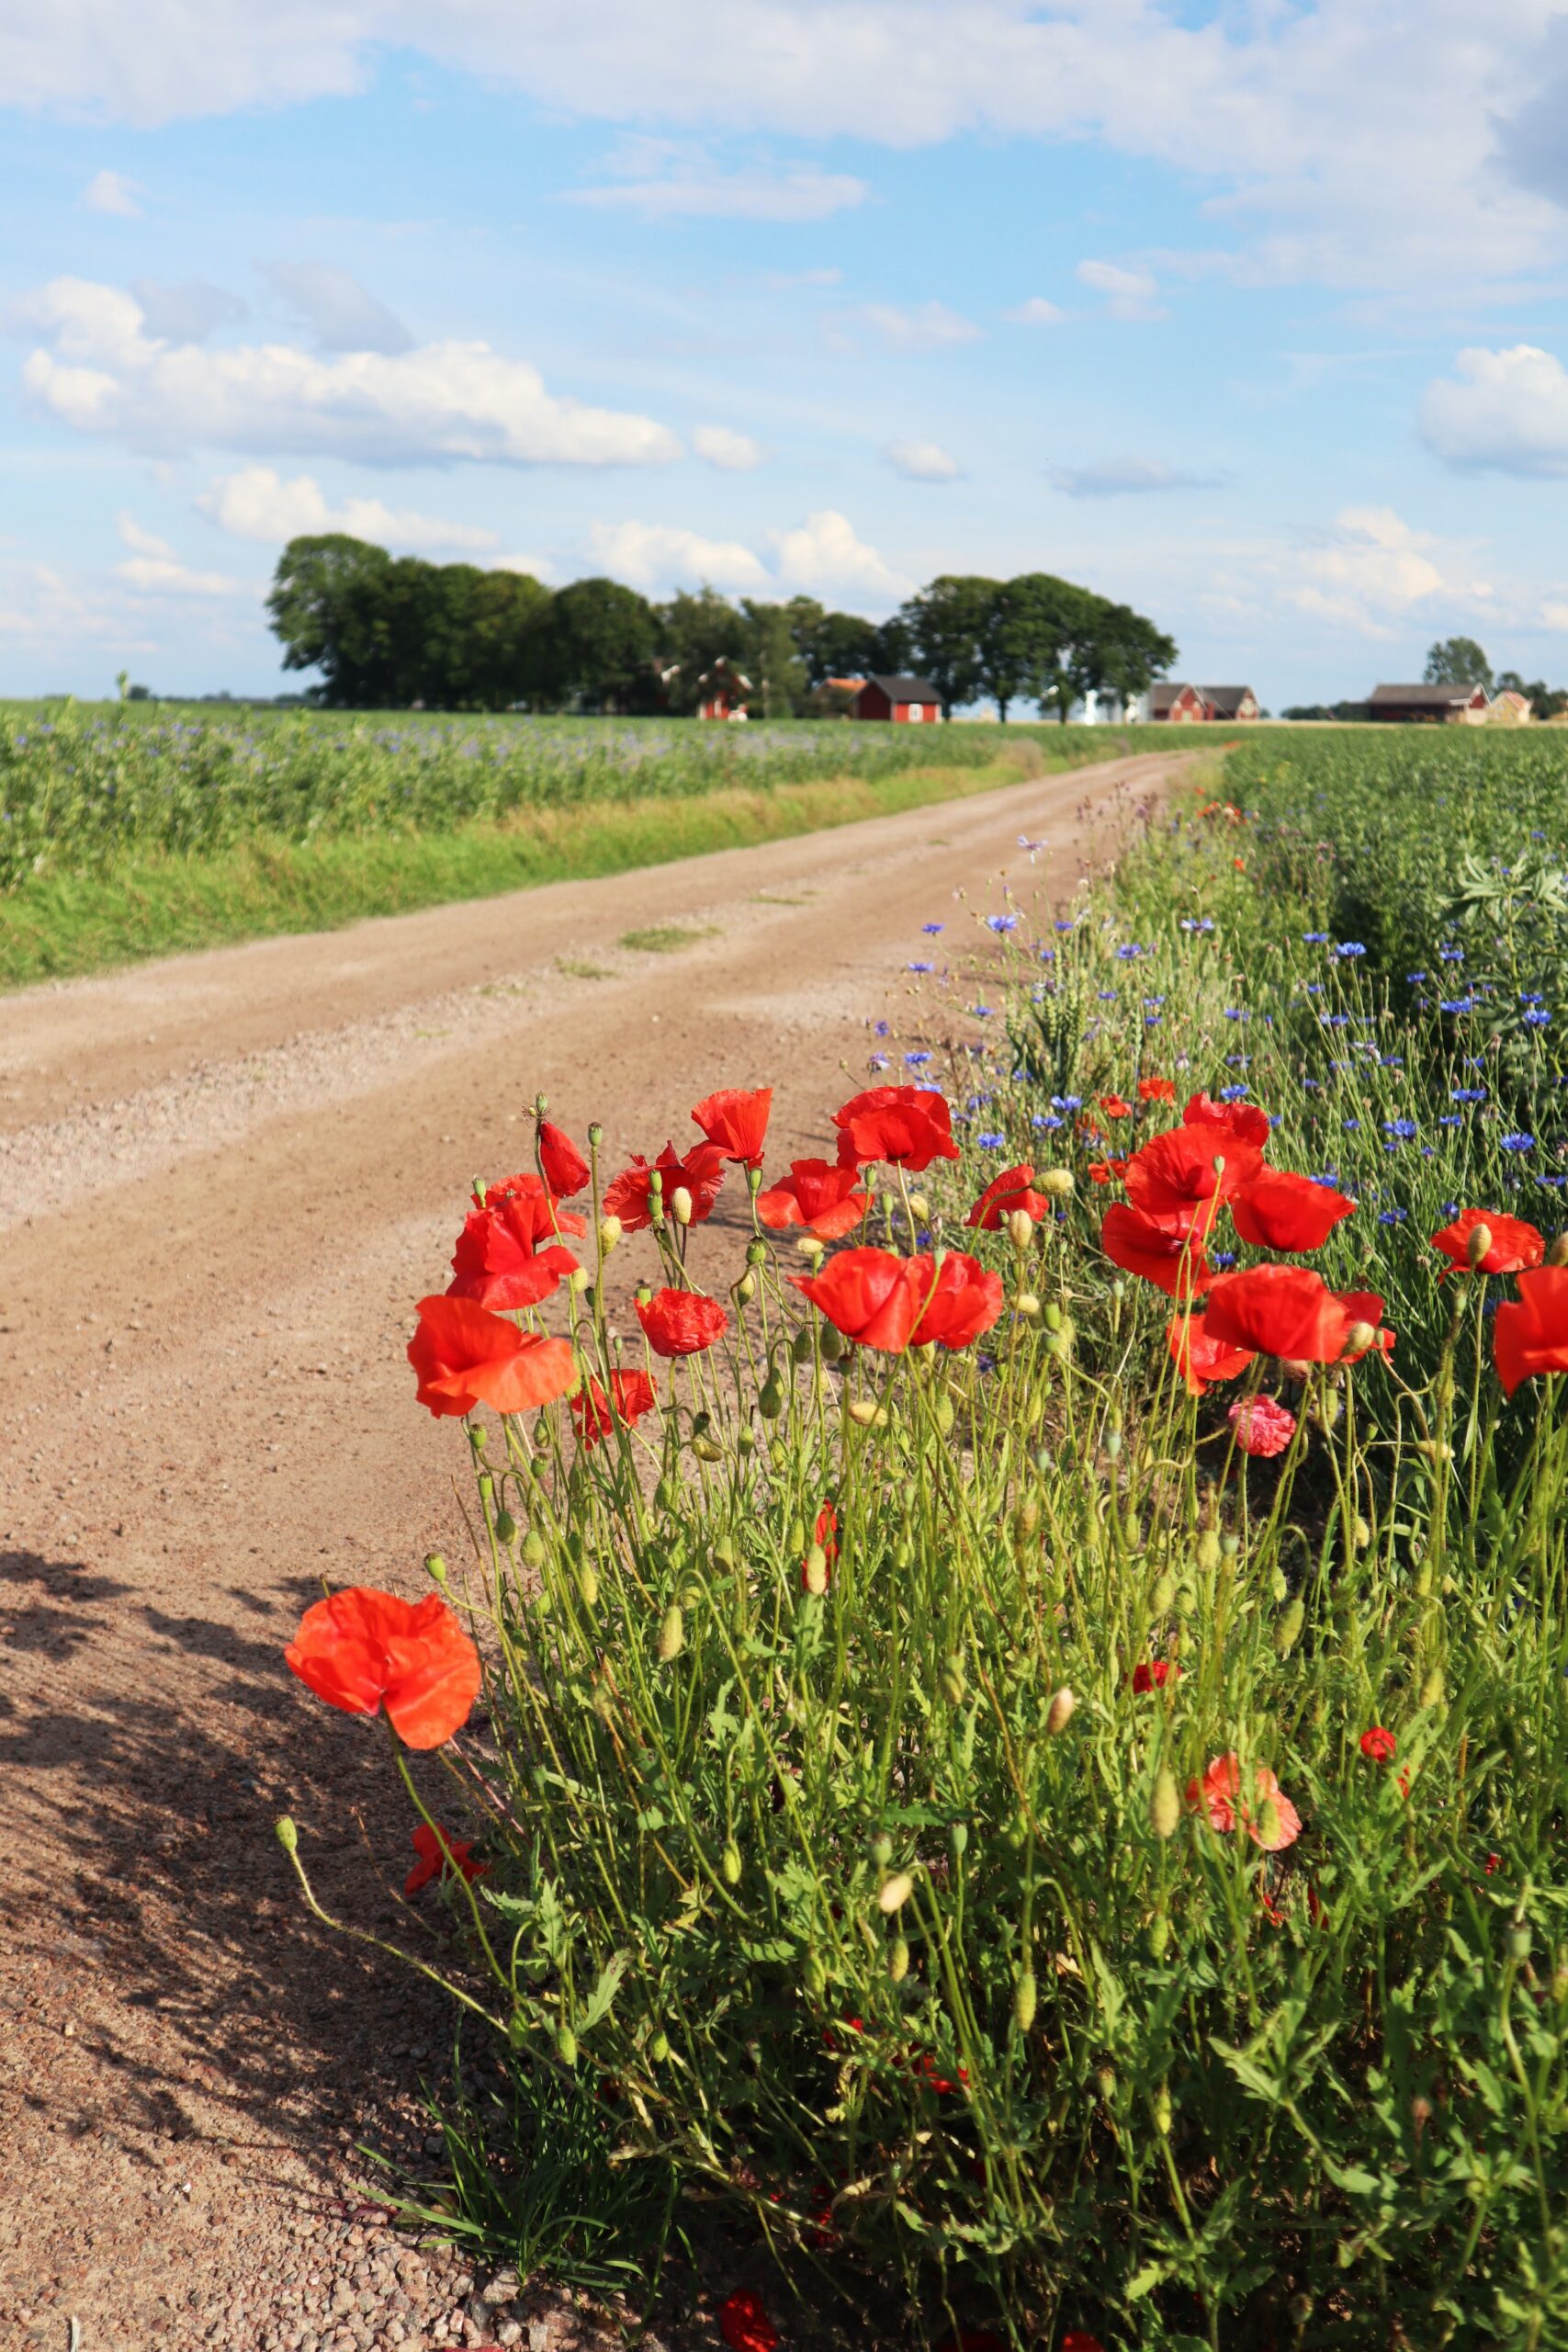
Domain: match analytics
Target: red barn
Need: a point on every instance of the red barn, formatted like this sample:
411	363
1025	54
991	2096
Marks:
906	701
1183	706
1429	706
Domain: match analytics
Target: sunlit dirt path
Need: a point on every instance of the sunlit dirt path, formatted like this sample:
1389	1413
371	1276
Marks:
224	1181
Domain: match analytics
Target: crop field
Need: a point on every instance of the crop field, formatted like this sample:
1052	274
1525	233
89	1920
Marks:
132	829
1025	1692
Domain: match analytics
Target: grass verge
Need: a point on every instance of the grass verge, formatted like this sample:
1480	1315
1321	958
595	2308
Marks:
69	924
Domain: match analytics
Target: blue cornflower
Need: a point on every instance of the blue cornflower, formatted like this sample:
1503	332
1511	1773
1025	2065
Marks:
982	1011
1047	954
1189	923
1415	978
1062	925
1002	923
1233	1093
1516	1143
1330	1180
1450	1119
1456	1004
991	1141
1067	1101
921	967
1532	996
1552	1181
1393	1216
1222	1258
1314	939
1537	1018
1313	1085
1467	1095
1349	948
1353	1126
1045	1119
880	1028
932	928
917	1061
1153	1003
1401	1128
1392	1061
1237	1012
1107	995
879	1061
1129	953
1451	954
1314	987
1238	1062
1334	1020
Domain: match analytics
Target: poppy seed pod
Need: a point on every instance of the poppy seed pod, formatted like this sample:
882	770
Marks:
1165	1806
895	1892
436	1567
672	1634
1059	1713
1477	1246
681	1205
1021	1228
919	1207
285	1832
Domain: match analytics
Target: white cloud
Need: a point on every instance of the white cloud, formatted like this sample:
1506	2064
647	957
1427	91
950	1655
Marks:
187	313
665	181
342	314
1372	569
138	541
1130	293
153	569
1126	477
732	453
112	192
824	556
99	370
654	555
922	462
257	503
1502	410
921	326
1365	142
1036	312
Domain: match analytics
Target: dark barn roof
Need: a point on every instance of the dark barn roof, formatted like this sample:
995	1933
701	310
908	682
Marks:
1228	700
1166	691
1425	697
906	689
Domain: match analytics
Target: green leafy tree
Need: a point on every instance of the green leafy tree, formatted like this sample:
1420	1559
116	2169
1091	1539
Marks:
321	611
772	658
1458	661
1034	633
695	630
1119	653
596	637
833	645
947	623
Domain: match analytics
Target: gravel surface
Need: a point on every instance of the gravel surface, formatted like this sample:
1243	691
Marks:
224	1181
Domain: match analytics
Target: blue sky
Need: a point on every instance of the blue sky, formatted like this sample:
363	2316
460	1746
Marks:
1253	316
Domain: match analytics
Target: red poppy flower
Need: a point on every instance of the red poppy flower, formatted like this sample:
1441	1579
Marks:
1115	1107
826	1532
438	1856
1154	1673
868	1294
1219	1795
1106	1172
632	1395
907	1125
1006	1193
566	1170
1157	1090
361	1650
958	1300
508	1254
1175	1264
735	1122
1378	1745
465	1356
1200	1358
1262	1425
1366	1307
1530	1337
1515	1245
1278	1311
1280	1211
745	2325
925	2067
816	1193
1244	1120
702	1173
681	1322
1173	1178
1076	2340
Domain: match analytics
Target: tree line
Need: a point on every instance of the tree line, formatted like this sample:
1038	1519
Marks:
1457	661
390	632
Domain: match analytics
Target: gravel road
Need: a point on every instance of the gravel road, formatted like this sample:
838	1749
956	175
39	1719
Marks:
223	1180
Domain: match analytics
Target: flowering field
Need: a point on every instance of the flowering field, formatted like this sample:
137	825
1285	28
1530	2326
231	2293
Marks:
1007	1726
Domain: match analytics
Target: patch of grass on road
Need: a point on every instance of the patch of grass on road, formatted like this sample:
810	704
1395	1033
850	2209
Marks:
668	938
62	925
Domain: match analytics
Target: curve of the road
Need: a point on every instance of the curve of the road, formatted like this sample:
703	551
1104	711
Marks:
223	1180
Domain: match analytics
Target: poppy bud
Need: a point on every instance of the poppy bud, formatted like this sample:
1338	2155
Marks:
707	1449
659	2047
1024	2000
771	1399
881	1852
895	1892
681	1205
814	1574
897	1959
1359	1338
1060	1711
1020	1227
1433	1688
756	1254
1027	1304
816	1975
1290	1627
945	1414
1052	1316
565	2045
1026	1517
1163	1598
588	1583
436	1567
810	1247
952	1680
672	1634
730	1864
1268	1825
1105	2083
1057	1183
533	1549
1477	1246
1112	1443
1165	1806
1209	1551
286	1835
1229	1545
1162	2113
477	1436
610	1230
862	1411
505	1526
1218	1163
1363	1534
1557	1255
486	1487
1517	1942
919	1207
958	1837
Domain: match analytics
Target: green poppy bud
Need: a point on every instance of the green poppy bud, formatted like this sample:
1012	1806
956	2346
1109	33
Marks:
897	1959
771	1399
1025	1998
533	1549
802	1348
588	1583
436	1567
565	2045
1059	1713
952	1680
505	1526
730	1864
1162	1599
1162	2113
833	1344
1209	1551
1288	1633
1165	1806
1159	1935
659	2047
816	1975
881	1852
286	1835
671	1634
1517	1942
895	1892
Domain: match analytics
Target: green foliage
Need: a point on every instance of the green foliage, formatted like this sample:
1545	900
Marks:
1457	661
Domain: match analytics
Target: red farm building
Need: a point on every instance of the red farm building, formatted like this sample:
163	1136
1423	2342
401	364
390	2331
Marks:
723	691
1191	705
1429	706
905	701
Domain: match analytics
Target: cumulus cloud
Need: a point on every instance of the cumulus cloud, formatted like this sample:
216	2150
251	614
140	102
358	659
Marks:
659	555
1130	293
922	462
1126	478
824	556
257	503
921	326
342	314
186	312
1036	312
112	192
665	182
153	568
732	453
98	368
1373	569
1502	410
